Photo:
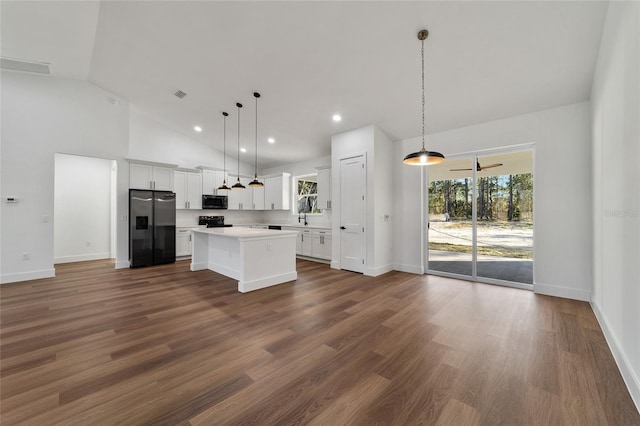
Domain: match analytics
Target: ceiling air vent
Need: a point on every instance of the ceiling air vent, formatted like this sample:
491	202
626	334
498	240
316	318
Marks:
27	66
180	94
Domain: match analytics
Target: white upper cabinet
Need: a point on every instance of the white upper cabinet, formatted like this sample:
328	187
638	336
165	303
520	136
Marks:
240	199
211	181
324	187
194	190
258	196
140	176
146	176
188	188
277	192
162	179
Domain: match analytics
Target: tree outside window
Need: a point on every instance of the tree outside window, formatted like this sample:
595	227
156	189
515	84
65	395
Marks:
307	194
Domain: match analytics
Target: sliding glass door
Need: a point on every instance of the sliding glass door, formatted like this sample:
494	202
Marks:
480	218
450	212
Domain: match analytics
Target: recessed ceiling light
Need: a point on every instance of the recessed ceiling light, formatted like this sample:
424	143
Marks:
271	140
243	149
336	117
197	128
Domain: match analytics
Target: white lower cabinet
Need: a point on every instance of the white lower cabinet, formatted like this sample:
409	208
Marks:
312	243
298	238
183	242
322	244
307	243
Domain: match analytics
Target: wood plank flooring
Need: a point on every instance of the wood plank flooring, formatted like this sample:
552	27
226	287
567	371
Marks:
167	346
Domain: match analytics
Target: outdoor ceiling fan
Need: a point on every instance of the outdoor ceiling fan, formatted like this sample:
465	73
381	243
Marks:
479	168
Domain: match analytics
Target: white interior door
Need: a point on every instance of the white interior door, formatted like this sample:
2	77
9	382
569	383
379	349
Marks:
352	213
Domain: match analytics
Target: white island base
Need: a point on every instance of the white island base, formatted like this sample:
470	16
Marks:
257	258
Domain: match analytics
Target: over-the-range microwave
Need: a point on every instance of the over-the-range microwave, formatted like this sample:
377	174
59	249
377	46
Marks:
215	201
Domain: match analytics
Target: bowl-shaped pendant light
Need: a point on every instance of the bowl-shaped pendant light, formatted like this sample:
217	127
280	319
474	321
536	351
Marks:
423	157
255	183
238	184
224	186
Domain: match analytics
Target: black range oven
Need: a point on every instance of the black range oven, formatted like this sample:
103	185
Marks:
212	221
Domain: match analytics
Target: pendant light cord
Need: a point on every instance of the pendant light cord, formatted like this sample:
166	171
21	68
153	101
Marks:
224	139
239	106
422	52
256	162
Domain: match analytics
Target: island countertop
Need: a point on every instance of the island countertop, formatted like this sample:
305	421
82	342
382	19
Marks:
257	258
240	232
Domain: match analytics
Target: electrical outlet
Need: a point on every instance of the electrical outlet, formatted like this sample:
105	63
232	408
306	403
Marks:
268	247
88	243
26	256
44	218
123	218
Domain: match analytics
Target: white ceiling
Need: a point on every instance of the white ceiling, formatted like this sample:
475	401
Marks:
309	60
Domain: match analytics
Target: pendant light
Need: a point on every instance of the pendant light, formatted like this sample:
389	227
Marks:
255	183
423	157
224	186
238	184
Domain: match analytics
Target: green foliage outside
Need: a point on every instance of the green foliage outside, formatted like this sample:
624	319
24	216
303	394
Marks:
506	197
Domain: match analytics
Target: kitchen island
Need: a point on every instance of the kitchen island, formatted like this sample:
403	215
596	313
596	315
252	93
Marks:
257	258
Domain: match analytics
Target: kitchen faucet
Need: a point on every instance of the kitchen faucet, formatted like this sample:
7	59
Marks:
305	218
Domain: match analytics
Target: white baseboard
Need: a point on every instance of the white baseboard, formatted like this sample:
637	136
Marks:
27	276
81	257
374	272
565	292
313	259
122	264
199	266
335	264
246	286
412	269
628	375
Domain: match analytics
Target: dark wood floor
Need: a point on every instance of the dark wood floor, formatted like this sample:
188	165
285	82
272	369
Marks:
164	345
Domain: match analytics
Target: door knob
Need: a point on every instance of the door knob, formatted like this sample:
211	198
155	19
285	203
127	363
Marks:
342	227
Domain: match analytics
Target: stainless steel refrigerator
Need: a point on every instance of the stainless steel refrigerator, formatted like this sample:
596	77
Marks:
152	227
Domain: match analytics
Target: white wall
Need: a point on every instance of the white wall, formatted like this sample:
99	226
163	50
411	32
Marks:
151	140
82	208
562	176
383	202
41	116
615	101
344	145
376	148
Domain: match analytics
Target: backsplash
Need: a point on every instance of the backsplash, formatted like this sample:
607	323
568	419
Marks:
186	218
284	217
